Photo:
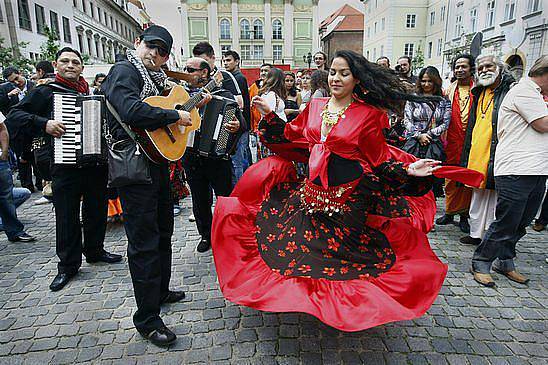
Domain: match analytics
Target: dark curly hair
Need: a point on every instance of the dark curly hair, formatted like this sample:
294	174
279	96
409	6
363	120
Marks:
471	62
318	80
293	91
434	76
379	86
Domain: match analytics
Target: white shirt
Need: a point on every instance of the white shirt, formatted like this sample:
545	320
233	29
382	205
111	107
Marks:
276	104
521	150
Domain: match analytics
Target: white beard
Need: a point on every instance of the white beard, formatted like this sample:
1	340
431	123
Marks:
488	78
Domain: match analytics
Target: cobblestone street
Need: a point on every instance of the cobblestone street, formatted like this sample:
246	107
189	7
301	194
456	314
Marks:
89	321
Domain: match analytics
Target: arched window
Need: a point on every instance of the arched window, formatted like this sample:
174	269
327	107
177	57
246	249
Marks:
258	29
244	29
224	26
277	32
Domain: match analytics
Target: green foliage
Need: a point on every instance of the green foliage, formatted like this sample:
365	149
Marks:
49	48
11	56
418	60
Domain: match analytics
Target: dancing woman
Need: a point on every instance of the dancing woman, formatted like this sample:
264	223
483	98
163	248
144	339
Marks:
347	245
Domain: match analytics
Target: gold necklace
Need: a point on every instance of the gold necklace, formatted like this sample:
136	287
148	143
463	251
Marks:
332	118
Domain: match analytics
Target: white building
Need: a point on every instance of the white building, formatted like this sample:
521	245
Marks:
514	30
97	28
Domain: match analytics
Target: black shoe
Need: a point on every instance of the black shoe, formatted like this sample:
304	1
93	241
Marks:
464	225
445	219
23	237
203	246
105	256
60	281
173	297
467	240
161	336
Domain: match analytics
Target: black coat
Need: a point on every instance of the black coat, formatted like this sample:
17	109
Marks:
8	102
500	92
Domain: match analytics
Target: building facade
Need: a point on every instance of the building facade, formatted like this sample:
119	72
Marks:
513	30
342	30
414	28
98	28
273	31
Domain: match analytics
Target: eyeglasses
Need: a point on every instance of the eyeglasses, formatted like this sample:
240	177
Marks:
162	52
192	69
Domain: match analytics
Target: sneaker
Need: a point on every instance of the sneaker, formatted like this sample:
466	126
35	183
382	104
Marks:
43	200
203	246
467	240
191	218
445	219
539	227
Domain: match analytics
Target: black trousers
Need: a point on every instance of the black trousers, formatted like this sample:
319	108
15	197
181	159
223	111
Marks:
204	176
518	199
26	170
148	221
70	185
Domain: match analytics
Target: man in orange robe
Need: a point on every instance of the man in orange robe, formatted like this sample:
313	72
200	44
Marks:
457	196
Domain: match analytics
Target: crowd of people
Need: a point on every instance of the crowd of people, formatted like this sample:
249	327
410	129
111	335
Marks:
329	191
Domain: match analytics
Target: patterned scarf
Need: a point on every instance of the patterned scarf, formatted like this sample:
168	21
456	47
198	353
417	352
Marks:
154	80
81	85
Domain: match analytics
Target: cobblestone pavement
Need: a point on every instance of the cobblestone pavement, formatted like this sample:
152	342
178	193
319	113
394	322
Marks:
90	320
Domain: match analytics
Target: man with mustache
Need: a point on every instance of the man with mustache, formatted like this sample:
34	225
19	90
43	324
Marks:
481	141
520	174
457	198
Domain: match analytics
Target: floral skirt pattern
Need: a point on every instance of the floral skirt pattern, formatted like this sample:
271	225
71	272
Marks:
294	242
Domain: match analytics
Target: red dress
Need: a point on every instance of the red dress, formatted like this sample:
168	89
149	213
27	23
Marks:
347	245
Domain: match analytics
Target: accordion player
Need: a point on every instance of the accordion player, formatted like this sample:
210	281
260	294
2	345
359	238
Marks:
83	117
213	140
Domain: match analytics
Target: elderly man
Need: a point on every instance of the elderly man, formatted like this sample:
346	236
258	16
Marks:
481	141
520	174
206	174
148	209
457	197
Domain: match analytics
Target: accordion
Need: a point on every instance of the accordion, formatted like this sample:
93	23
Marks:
213	139
82	116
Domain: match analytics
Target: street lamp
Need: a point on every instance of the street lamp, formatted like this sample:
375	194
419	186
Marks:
307	59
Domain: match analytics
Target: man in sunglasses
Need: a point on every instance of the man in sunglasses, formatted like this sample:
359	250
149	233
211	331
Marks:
148	209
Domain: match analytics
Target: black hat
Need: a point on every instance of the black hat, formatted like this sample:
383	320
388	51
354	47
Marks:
158	33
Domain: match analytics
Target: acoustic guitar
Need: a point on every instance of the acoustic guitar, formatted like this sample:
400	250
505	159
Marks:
169	142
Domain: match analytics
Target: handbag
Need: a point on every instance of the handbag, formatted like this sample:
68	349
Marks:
126	164
434	150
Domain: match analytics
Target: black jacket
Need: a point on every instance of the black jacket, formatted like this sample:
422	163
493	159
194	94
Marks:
242	82
7	102
500	92
122	87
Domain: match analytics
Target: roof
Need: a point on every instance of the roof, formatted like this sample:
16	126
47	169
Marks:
346	18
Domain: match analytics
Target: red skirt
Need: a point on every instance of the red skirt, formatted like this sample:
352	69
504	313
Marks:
403	292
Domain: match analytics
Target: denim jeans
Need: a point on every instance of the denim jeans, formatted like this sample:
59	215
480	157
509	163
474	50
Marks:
20	195
240	159
519	198
12	226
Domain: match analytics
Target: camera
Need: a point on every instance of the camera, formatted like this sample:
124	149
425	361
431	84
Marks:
398	68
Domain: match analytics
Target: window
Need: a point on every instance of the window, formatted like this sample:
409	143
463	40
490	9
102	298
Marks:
40	19
258	52
442	14
277	30
375	28
533	6
224	49
258	29
80	42
1	15
510	10
429	52
99	15
440	47
409	49
244	29
111	23
473	19
84	6
24	14
458	20
383	23
535	44
411	21
66	31
432	18
277	52
224	26
490	22
246	52
75	3
91	10
367	55
97	47
54	24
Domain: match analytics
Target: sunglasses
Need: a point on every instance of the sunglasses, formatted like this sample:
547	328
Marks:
191	69
162	52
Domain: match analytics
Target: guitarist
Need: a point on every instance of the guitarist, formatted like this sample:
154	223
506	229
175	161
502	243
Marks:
148	210
205	174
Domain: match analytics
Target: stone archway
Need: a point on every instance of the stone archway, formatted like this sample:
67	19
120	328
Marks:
516	65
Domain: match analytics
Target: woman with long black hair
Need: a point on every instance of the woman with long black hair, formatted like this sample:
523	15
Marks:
293	99
348	244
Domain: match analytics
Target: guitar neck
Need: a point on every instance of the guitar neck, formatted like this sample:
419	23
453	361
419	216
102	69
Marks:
193	101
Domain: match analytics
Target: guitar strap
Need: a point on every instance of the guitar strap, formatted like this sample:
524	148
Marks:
124	126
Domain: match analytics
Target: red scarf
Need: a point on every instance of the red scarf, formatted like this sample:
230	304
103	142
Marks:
81	85
455	132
